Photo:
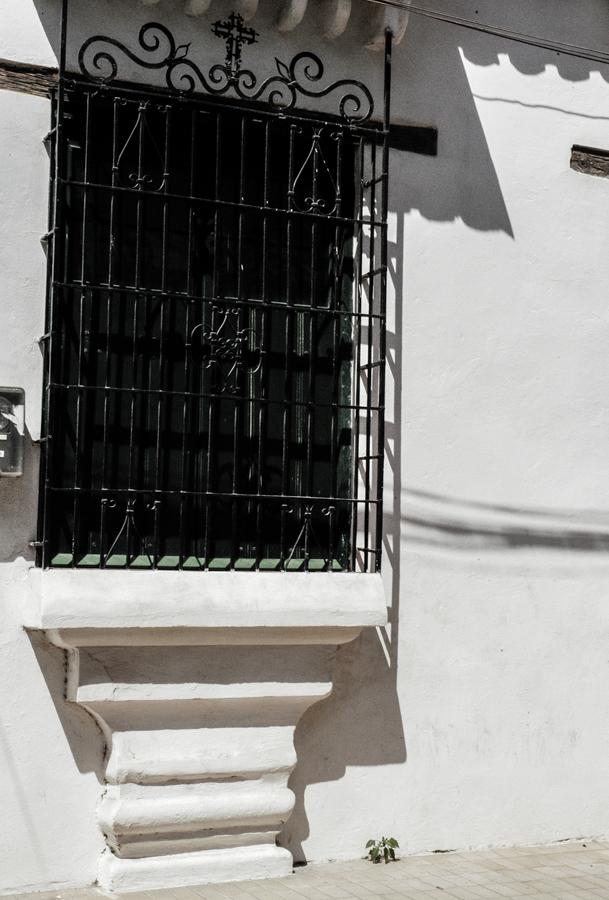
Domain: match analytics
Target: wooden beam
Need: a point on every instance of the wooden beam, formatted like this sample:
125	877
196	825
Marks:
414	139
27	78
590	161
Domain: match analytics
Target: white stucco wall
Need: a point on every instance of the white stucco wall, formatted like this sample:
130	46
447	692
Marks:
478	718
48	752
491	729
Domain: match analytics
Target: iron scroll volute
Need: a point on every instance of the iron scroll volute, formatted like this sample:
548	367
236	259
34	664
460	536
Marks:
303	77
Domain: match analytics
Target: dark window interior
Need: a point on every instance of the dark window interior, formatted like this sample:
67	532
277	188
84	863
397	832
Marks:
200	380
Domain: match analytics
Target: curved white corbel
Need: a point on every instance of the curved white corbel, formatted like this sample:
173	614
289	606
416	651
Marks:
198	709
335	17
291	15
196	7
246	8
385	18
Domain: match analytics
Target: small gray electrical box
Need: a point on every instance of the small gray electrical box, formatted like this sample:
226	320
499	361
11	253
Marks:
12	431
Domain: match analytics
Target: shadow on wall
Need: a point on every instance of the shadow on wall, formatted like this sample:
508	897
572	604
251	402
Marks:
360	723
19	507
34	763
431	87
438	521
84	736
553	20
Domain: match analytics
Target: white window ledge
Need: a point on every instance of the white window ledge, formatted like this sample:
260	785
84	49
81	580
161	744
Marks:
195	607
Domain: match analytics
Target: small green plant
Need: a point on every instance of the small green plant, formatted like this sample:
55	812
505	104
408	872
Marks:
383	849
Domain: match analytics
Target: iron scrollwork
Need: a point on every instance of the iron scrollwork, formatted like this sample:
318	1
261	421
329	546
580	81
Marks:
316	166
302	77
128	540
225	348
156	178
301	548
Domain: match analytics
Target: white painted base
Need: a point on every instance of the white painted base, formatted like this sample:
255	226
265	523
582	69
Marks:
206	867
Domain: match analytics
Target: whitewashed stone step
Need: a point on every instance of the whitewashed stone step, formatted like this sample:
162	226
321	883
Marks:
195	807
156	757
203	867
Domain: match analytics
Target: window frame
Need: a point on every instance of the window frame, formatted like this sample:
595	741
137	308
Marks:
367	366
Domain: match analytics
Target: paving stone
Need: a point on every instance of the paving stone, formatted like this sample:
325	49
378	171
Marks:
567	871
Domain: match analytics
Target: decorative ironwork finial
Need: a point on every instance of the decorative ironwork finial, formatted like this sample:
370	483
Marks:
235	35
303	76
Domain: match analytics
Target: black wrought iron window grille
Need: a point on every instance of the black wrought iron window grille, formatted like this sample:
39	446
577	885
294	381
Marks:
215	346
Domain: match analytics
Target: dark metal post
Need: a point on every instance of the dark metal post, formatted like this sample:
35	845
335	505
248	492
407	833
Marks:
55	245
383	297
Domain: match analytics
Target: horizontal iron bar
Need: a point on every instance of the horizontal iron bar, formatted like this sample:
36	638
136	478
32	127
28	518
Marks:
103	389
372	365
164	195
229	495
159	560
377	180
228	301
374	272
372	129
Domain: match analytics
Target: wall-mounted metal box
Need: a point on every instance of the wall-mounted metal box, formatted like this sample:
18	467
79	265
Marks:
12	431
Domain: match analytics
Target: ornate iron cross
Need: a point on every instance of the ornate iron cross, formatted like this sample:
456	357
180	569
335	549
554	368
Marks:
235	35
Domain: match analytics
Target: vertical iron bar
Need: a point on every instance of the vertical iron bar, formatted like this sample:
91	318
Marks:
164	300
311	348
211	415
56	247
139	219
337	324
102	531
156	506
81	336
112	247
308	512
283	537
241	409
289	328
370	351
358	356
265	334
190	290
383	297
41	552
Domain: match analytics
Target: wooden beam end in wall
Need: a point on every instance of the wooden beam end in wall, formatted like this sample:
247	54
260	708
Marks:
26	78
